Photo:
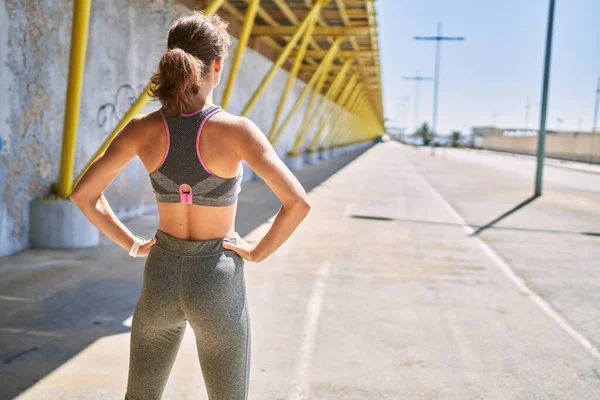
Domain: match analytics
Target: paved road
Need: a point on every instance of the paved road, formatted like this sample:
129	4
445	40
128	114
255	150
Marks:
380	294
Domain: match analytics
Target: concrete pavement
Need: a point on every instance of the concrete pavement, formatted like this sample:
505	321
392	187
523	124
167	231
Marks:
380	294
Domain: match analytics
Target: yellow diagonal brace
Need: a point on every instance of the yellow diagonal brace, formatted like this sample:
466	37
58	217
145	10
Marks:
347	126
292	75
345	99
320	111
79	34
137	106
303	94
329	107
309	112
341	54
239	51
316	8
310	116
346	115
321	30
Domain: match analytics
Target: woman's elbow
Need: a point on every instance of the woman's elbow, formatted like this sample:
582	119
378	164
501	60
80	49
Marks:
75	198
303	205
80	200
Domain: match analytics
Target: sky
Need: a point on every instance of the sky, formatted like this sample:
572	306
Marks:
489	76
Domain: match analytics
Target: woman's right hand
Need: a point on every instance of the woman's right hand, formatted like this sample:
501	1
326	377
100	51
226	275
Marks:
145	247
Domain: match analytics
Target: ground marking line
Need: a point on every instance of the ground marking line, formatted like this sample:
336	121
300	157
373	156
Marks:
545	306
301	385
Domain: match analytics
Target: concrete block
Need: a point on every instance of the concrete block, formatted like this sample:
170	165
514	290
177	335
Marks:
295	163
312	157
60	224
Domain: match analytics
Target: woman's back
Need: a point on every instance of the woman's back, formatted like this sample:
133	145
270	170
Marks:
193	152
195	174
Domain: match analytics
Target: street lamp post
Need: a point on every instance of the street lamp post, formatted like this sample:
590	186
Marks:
596	108
544	110
438	38
418	79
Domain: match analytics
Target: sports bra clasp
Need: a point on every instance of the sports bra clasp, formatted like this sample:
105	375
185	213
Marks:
185	197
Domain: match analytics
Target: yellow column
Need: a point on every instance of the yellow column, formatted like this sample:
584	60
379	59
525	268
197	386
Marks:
79	34
283	56
304	127
303	94
353	105
239	51
292	75
346	98
348	128
329	107
137	106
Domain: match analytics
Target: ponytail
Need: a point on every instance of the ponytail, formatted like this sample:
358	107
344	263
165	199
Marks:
193	43
177	80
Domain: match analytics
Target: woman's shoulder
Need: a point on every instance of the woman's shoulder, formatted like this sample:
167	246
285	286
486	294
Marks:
141	128
235	126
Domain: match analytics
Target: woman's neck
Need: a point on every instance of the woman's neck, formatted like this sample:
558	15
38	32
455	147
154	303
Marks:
201	100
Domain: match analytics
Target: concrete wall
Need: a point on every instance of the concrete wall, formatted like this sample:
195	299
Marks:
126	39
581	147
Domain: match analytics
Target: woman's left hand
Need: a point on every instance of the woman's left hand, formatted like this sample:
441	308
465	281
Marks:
242	248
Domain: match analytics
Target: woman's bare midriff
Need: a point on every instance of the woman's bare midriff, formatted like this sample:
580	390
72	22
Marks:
196	222
192	221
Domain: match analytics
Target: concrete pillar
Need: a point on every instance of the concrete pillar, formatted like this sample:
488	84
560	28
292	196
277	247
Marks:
324	154
312	157
294	163
60	224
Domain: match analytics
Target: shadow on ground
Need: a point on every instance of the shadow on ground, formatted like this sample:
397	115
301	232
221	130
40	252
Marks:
54	304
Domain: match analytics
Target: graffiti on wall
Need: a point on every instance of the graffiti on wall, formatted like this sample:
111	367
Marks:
109	114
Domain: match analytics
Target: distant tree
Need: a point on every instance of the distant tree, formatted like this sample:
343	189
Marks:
455	138
424	133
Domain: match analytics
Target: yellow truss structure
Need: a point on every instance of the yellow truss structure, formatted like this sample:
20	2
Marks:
330	44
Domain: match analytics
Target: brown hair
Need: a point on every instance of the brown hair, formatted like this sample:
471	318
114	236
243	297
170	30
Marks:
193	43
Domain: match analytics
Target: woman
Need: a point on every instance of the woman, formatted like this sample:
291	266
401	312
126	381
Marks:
192	150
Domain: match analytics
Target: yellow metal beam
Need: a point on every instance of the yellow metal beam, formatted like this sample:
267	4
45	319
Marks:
292	75
328	113
347	127
319	31
241	17
361	68
293	18
341	54
344	114
299	30
347	96
309	113
137	106
286	10
324	106
239	51
311	83
79	35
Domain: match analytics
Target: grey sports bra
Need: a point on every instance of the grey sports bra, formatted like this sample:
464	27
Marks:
182	164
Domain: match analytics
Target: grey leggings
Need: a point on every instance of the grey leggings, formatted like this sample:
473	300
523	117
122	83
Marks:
203	283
